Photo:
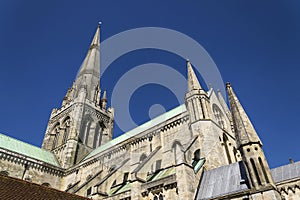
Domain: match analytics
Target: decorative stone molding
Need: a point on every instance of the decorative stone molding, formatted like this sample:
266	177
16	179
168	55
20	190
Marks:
60	113
289	187
174	123
100	116
166	183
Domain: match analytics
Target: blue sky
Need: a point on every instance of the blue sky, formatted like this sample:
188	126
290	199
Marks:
255	44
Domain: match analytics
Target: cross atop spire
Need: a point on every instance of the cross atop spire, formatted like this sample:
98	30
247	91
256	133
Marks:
245	132
193	83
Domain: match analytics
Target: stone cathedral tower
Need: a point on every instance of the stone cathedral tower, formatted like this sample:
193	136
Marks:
83	122
200	150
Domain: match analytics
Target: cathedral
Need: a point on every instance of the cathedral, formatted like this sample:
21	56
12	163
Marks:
203	149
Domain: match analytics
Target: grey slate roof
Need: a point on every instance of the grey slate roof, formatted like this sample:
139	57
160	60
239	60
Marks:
286	172
223	180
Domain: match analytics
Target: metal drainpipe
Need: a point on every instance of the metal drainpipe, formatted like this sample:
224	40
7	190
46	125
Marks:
26	167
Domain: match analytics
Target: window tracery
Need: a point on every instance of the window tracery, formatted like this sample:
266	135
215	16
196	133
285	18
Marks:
219	116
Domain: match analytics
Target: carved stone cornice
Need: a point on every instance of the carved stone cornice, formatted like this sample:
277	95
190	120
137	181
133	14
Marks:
60	113
291	185
95	113
163	183
175	123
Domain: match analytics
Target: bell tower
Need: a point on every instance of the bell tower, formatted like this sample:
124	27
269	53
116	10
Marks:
83	122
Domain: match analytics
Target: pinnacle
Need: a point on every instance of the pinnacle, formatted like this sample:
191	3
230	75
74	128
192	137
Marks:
245	132
193	83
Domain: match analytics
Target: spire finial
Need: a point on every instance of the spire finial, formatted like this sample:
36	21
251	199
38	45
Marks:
104	96
228	85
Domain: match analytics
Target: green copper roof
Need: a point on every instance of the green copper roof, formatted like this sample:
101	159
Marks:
199	164
161	174
26	149
114	190
157	120
120	189
125	188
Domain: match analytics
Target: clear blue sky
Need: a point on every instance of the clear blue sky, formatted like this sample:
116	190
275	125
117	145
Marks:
255	44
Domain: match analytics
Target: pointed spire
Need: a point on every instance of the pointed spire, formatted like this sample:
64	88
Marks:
245	132
89	73
91	63
193	83
96	40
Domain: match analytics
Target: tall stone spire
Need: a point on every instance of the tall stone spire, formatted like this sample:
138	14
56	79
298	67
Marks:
245	132
196	99
89	73
193	83
250	146
72	134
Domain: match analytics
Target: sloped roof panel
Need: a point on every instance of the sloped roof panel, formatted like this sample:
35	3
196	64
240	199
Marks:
168	115
27	150
222	181
286	172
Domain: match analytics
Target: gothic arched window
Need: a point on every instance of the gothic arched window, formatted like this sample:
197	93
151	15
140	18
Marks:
219	116
85	129
177	149
97	136
66	125
55	135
